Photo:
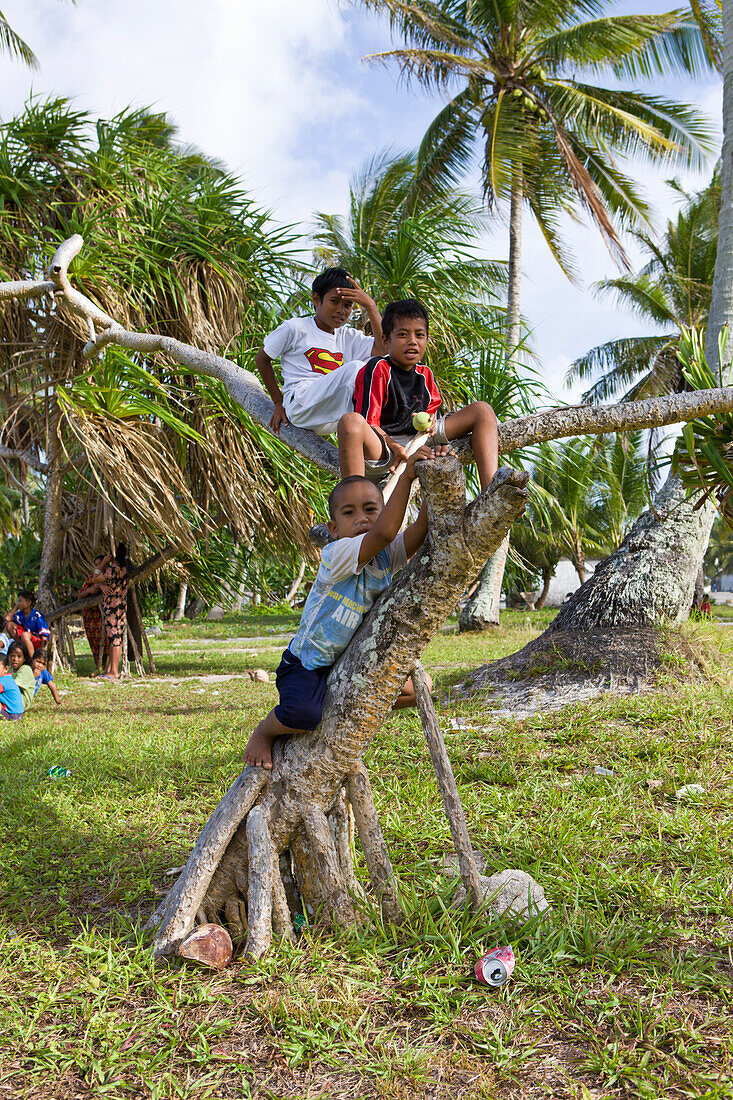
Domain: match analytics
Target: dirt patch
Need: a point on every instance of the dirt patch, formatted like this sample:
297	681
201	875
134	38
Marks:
565	667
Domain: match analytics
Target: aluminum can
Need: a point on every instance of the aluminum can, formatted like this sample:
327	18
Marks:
496	966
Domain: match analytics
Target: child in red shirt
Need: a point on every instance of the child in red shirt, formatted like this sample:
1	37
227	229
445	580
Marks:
391	389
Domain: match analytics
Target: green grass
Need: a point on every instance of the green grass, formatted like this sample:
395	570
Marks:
624	991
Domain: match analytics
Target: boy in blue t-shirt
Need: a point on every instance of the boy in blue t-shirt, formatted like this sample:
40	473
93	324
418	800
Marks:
11	701
43	676
354	569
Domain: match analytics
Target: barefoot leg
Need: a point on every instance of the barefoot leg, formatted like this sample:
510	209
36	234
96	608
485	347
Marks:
357	441
258	752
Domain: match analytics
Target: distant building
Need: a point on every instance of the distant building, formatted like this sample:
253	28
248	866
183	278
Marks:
566	581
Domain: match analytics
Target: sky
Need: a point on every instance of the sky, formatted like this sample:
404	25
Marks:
279	92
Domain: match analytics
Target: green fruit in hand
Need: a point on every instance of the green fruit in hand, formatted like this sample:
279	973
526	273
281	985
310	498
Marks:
421	421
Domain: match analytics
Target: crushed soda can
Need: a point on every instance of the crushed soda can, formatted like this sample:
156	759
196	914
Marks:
57	771
496	966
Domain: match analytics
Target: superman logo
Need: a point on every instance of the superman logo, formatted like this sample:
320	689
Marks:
322	361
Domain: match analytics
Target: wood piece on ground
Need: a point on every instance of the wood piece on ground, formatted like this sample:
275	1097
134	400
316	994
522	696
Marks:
210	945
448	788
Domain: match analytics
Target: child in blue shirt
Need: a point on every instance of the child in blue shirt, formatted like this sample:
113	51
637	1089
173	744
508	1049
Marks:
354	569
11	701
43	676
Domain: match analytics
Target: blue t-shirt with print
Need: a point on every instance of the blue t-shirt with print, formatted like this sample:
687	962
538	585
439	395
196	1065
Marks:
10	698
33	622
44	678
342	593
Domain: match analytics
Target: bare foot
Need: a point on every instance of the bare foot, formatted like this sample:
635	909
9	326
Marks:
259	750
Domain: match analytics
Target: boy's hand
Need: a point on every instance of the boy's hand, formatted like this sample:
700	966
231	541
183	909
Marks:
424	454
278	417
354	295
399	452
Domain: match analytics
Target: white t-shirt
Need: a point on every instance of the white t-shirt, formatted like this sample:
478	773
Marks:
307	352
342	594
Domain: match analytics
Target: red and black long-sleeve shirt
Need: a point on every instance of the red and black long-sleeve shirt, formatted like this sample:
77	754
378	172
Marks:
388	395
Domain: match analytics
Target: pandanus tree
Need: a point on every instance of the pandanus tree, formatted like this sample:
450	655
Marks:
126	443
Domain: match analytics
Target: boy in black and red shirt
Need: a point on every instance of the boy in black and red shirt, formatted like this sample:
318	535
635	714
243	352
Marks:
391	389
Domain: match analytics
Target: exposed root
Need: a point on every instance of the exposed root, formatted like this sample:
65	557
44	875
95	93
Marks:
341	820
566	667
327	866
372	841
282	925
177	914
259	909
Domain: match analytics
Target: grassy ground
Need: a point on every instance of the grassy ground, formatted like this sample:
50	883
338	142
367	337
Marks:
624	991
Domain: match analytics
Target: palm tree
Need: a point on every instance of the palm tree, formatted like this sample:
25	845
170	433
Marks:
139	447
672	291
565	475
12	43
622	486
550	137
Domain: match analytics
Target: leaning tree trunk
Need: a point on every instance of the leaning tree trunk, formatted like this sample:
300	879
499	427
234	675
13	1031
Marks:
181	602
53	531
652	574
297	810
547	575
482	607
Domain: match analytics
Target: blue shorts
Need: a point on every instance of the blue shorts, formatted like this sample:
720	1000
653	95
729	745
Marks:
9	716
301	692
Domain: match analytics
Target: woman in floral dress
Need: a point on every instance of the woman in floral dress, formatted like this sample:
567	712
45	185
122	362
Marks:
114	606
92	616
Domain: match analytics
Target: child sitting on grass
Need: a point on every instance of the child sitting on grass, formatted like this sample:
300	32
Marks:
391	389
11	701
354	569
22	673
43	676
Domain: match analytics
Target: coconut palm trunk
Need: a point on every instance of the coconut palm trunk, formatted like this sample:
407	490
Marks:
482	607
53	532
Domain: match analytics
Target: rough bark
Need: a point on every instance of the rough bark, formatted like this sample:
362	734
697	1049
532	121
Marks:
515	270
181	602
482	607
53	530
310	769
652	574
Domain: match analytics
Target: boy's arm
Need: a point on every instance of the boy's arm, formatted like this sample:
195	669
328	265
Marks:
263	362
387	527
359	297
416	532
54	692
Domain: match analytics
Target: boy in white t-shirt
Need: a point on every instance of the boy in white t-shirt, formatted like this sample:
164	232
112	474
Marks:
355	568
320	355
